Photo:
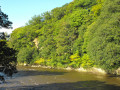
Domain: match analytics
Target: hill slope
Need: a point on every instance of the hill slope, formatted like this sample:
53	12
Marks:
82	33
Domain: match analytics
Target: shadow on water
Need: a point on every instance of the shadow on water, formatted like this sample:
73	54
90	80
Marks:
81	85
34	73
114	76
30	71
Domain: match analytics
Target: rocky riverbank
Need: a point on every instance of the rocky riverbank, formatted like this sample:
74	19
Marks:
81	69
92	70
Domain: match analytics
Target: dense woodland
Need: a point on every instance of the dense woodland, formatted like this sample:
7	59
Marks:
83	33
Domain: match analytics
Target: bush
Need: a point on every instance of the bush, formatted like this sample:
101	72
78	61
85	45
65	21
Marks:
75	60
86	61
40	61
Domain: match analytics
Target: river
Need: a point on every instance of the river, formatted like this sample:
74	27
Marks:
29	78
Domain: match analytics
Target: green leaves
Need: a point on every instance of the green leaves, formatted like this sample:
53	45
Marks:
7	55
84	3
103	46
26	55
35	20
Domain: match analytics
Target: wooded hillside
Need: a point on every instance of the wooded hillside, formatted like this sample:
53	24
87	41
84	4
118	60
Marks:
83	33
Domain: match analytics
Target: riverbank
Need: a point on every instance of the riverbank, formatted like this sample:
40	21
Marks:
94	70
91	70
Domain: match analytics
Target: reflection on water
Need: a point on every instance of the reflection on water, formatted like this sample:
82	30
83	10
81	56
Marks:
51	79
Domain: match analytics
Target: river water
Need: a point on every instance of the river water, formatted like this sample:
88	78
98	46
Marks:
29	78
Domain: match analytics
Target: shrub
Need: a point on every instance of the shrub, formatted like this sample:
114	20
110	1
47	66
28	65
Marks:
86	61
40	61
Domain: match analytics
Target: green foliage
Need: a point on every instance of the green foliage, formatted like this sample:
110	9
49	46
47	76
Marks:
24	55
79	17
27	55
47	16
75	60
7	55
104	42
35	20
84	3
86	61
58	13
40	61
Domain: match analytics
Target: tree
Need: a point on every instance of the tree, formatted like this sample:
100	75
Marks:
7	55
4	22
25	55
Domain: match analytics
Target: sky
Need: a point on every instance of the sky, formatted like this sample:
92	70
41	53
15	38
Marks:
21	11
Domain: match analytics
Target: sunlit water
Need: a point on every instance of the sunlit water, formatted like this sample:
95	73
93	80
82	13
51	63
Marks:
51	79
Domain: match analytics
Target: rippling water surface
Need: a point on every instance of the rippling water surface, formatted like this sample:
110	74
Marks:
51	79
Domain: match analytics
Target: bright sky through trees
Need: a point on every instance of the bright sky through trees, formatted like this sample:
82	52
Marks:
20	11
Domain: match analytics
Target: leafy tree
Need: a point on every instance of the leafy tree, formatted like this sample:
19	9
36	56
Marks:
58	13
65	40
84	3
25	55
7	55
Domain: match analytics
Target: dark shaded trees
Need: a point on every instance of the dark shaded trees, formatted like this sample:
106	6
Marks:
4	22
7	55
